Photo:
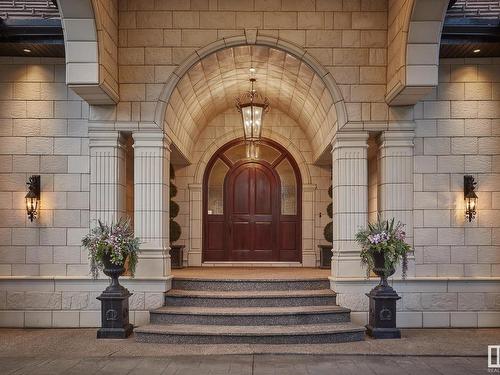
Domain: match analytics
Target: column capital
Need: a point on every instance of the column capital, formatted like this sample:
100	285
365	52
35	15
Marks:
151	139
194	187
395	138
309	187
350	139
108	138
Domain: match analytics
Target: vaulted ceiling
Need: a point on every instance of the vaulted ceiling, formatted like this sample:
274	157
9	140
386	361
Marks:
212	84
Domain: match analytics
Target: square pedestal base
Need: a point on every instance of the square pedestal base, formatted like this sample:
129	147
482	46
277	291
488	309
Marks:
383	333
115	333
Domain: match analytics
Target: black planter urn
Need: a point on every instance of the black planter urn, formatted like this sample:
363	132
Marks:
382	315
114	305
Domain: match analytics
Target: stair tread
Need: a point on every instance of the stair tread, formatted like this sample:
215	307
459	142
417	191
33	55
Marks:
288	310
252	279
267	330
250	293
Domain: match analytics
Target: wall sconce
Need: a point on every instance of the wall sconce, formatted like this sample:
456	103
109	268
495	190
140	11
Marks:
33	197
470	198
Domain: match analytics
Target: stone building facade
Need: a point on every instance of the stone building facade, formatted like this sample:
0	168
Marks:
359	98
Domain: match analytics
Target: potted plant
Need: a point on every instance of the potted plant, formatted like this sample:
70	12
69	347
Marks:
326	250
112	248
176	251
383	247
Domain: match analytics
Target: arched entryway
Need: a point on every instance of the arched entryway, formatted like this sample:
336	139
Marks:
252	204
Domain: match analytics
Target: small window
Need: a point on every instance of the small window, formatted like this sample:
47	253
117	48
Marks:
262	152
288	188
216	188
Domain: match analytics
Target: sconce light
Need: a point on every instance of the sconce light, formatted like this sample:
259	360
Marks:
470	198
33	197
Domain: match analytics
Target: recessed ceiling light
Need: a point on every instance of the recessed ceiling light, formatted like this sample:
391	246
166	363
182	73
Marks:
477	50
252	70
27	50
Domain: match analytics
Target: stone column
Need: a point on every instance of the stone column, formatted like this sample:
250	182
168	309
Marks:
107	176
195	225
395	178
350	200
151	202
308	229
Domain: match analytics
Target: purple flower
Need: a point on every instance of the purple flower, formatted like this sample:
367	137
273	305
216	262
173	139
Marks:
400	234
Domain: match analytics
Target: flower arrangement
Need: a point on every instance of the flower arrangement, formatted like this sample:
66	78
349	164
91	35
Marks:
387	238
115	243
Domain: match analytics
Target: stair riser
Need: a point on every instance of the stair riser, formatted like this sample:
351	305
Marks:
225	285
221	339
249	320
250	302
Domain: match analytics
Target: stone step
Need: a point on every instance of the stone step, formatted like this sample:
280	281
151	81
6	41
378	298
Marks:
320	297
269	334
188	283
248	316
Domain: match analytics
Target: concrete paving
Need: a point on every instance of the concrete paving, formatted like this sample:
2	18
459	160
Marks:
82	343
77	351
248	365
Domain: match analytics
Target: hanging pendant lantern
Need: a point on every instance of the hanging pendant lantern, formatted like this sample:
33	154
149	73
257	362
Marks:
252	107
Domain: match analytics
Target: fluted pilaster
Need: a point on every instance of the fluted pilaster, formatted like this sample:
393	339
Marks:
395	178
107	176
151	202
350	200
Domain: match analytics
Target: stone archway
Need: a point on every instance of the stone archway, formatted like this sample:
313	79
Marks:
181	108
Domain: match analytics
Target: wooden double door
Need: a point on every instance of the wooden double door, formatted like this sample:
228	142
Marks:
252	226
252	213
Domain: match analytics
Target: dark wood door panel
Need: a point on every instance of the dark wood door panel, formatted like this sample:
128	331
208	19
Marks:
241	192
215	233
241	235
288	235
264	189
263	236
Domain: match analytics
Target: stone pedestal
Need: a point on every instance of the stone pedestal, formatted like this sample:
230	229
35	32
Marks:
114	313
382	314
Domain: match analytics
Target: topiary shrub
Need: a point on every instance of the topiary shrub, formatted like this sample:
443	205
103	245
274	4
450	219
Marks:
328	231
175	228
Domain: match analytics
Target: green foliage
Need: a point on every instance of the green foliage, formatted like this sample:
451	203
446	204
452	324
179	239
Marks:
175	231
172	172
173	190
329	210
174	209
384	237
328	232
175	228
116	241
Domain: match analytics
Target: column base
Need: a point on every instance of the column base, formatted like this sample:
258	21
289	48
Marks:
115	333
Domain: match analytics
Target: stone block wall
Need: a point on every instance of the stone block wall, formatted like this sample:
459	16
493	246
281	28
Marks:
348	38
458	133
43	130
